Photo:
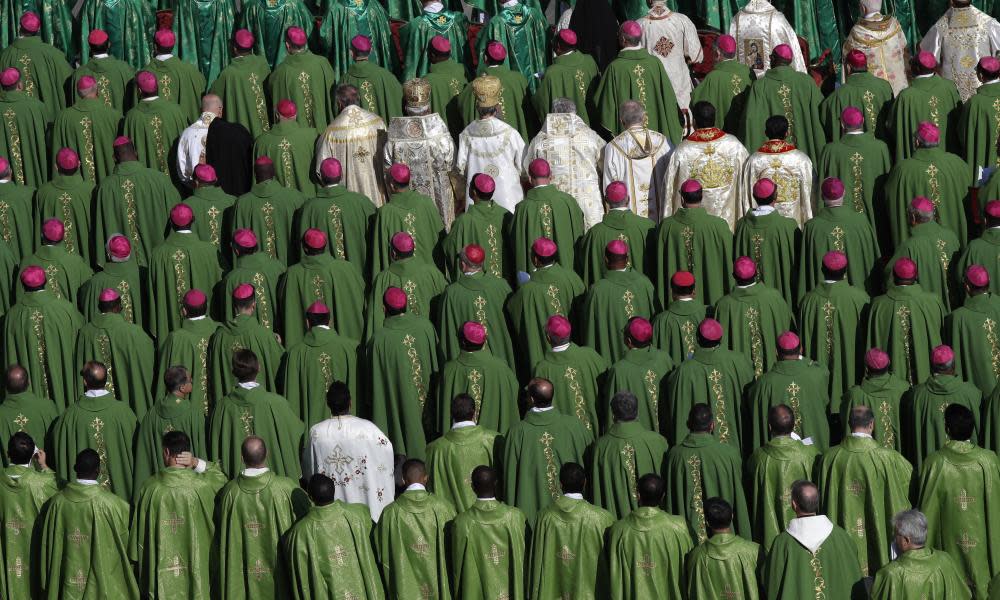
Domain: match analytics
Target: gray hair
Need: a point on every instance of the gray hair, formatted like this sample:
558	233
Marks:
624	406
911	524
347	95
563	105
631	113
860	417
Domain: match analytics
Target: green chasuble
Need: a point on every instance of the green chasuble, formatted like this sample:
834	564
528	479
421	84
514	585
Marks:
800	384
336	283
344	19
65	272
928	98
831	323
724	564
862	90
843	229
154	125
861	162
577	374
475	297
642	371
985	251
170	535
573	75
864	484
345	217
254	512
105	425
241	88
187	346
417	215
415	36
552	290
447	80
617	224
977	128
56	23
126	279
311	365
401	361
263	273
22	138
516	109
268	22
752	318
242	332
771	240
340	530
927	572
702	467
112	75
181	263
941	176
135	201
170	413
27	412
674	328
379	90
178	82
990	432
567	551
923	413
534	450
43	68
488	552
204	32
127	352
422	282
84	542
906	323
726	87
792	570
129	26
411	545
607	308
17	205
292	147
452	457
713	376
771	470
68	198
693	240
490	382
213	217
8	268
23	492
307	80
620	457
89	127
785	91
638	75
884	395
972	331
523	31
39	333
646	553
254	411
959	486
268	210
545	212
484	224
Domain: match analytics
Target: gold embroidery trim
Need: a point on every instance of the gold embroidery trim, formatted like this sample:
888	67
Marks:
654	397
66	203
785	93
715	378
180	275
203	376
793	390
307	99
551	471
697	502
258	95
128	188
579	402
38	326
263	309
15	145
269	235
161	154
640	83
628	453
126	297
756	346
337	224
828	311
857	190
495	257
102	451
888	432
991	336
108	359
476	389
903	312
87	125
554	302
416	370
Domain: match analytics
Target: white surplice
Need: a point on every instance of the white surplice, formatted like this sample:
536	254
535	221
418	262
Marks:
959	39
638	158
191	146
791	171
424	144
671	37
356	138
357	456
495	148
716	160
881	38
758	28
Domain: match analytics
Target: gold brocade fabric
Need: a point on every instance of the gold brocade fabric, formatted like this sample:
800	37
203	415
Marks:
424	144
356	138
792	171
718	166
959	39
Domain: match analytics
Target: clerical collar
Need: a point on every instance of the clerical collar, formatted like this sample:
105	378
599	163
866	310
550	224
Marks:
636	47
861	434
760	211
102	55
434	7
491	498
322	326
831	280
573	496
196	318
535	409
560	347
183	230
416	487
749	285
87	481
622	270
249	385
254	471
469	273
150	98
162	57
463	424
858	132
541	185
924	76
96	393
621	208
685	299
4	180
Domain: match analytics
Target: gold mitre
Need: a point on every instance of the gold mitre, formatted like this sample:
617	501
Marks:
417	93
488	90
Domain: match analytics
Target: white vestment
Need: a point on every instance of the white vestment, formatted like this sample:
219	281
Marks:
573	151
881	39
959	39
758	28
355	138
671	37
191	146
357	456
495	148
638	158
791	170
716	160
425	145
811	532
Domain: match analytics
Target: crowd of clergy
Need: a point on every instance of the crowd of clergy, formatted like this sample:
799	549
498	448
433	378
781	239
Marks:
500	300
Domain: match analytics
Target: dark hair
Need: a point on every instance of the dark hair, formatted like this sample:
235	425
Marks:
322	489
95	375
463	408
703	114
105	306
17	379
776	127
338	398
572	478
20	448
88	464
315	319
860	416
175	377
959	422
176	442
624	406
699	418
780	419
484	481
806	496
651	489
718	514
245	365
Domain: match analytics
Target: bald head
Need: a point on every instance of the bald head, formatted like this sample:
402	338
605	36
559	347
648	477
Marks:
805	498
540	392
211	103
254	452
414	471
780	420
95	375
17	379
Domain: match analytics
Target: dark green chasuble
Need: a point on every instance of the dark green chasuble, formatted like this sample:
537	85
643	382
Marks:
481	298
794	95
725	563
488	552
726	87
864	91
322	278
64	272
620	457
693	240
484	224
268	210
552	290
545	212
181	263
906	323
417	215
674	328
923	414
69	198
245	412
415	36
884	395
292	148
577	374
931	99
23	493
771	470
638	75
412	546
489	381
941	176
170	413
642	371
978	129
609	305
126	279
241	87
22	137
187	346
17	205
617	224
263	273
89	127
573	75
242	332
842	229
422	282
127	352
311	365
971	330
378	89
771	240
304	78
793	570
752	318
268	22
862	163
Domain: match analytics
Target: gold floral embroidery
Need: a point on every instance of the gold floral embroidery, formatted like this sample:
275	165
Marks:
104	478
258	94
579	402
286	162
494	257
756	345
104	343
687	331
128	189
180	275
269	235
87	130
5	221
785	93
697	501
203	375
640	83
688	235
367	92
554	302
654	397
14	144
551	471
476	389
38	327
545	212
715	378
828	311
869	98
737	82
837	233
161	153
627	298
819	584
793	390
337	224
991	336
263	308
29	78
104	88
416	369
857	190
904	330
628	453
69	240
888	431
307	99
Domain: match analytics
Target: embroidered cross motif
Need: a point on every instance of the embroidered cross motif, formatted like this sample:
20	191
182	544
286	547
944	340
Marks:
964	500
856	488
495	555
663	46
421	546
728	593
79	580
21	421
258	571
339	556
646	564
565	555
77	538
338	459
859	527
17	568
16	526
838	238
247	418
254	527
176	567
173	522
966	543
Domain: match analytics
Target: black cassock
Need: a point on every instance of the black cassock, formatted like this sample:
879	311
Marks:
229	148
